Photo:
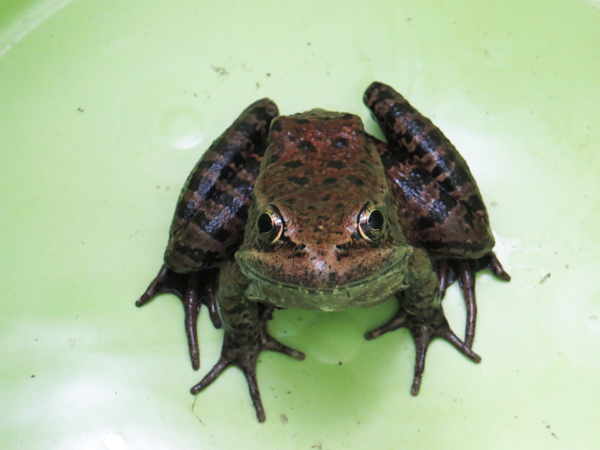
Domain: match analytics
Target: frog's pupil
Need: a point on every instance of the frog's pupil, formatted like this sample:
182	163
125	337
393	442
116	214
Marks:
265	224
375	220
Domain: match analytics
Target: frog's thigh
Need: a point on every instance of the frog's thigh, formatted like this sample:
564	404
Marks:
435	219
212	209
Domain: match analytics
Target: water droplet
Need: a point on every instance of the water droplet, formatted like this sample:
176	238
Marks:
182	126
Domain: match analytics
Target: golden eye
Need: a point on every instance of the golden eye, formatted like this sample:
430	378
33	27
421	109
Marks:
371	223
270	225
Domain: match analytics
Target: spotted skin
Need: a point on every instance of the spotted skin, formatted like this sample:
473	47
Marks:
210	218
439	203
309	211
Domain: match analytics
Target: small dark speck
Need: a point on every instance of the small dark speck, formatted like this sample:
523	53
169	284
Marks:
220	70
32	376
284	418
268	74
339	363
545	277
493	204
80	110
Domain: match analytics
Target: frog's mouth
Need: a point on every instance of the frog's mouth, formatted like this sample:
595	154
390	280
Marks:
363	293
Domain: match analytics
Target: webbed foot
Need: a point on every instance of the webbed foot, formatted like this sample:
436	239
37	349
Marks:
193	289
464	270
423	332
245	357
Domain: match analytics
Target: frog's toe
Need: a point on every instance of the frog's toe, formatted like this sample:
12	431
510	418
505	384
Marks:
165	281
398	321
246	357
491	262
211	376
465	271
193	289
250	374
423	331
274	345
248	366
423	337
423	334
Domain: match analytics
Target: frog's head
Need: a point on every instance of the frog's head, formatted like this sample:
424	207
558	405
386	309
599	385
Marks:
323	232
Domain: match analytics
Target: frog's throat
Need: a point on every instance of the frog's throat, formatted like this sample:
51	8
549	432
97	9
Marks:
364	293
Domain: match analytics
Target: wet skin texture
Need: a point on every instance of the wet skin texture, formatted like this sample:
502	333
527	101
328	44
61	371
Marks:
309	211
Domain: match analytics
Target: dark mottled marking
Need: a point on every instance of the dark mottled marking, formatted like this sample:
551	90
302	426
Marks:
325	218
185	211
222	235
246	128
339	206
425	222
273	159
306	145
436	171
436	138
290	201
242	213
434	245
336	164
310	207
340	142
294	164
357	181
222	198
347	116
326	198
232	248
197	255
447	185
301	121
242	186
330	180
469	219
302	181
276	126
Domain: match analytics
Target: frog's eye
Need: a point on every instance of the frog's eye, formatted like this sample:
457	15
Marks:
270	225
371	223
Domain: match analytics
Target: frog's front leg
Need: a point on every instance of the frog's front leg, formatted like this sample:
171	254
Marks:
246	335
421	312
440	205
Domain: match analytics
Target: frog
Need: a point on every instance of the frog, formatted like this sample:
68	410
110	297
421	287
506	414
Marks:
309	211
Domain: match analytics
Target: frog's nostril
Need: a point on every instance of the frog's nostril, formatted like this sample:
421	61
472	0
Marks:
300	250
341	250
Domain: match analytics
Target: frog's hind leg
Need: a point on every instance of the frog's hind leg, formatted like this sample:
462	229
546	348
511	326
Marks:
439	203
193	289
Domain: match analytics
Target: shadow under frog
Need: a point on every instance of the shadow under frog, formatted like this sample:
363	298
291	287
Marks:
309	211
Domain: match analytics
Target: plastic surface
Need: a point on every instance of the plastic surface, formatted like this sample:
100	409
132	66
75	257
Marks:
106	106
